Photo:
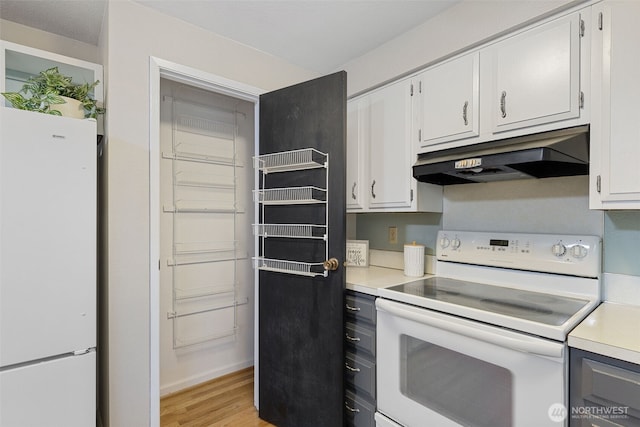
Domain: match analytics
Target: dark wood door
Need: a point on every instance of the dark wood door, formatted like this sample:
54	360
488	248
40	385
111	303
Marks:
300	318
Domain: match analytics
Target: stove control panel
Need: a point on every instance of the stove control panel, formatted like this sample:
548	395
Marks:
552	253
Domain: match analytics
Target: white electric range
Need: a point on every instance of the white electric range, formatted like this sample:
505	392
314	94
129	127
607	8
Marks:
483	343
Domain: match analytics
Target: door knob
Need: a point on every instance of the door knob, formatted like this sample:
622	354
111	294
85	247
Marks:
331	264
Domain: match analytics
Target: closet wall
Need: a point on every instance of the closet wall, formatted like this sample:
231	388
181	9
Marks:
206	278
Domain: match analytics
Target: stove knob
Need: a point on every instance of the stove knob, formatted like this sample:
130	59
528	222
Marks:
579	251
558	249
444	242
455	243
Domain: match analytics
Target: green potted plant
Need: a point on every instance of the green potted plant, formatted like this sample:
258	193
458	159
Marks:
51	92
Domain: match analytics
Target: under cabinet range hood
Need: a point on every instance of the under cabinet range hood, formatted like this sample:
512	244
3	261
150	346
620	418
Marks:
550	154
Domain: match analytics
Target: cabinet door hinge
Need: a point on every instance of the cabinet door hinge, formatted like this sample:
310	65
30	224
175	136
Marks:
411	90
420	86
600	21
419	135
582	28
411	196
581	101
598	184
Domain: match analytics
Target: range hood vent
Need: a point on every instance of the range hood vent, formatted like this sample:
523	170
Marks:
550	154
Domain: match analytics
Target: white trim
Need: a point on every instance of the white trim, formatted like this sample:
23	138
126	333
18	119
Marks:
160	68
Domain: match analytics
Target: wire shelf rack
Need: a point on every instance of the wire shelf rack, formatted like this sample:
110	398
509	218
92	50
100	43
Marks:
306	158
290	195
294	231
309	269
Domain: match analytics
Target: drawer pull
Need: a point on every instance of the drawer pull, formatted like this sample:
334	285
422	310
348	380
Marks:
352	339
350	409
351	369
352	308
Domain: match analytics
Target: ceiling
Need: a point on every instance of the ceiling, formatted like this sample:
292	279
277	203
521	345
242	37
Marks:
319	35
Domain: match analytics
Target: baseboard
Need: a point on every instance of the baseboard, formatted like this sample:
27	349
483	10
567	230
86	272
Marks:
203	377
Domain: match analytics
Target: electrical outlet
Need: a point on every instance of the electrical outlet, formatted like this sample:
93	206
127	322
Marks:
393	235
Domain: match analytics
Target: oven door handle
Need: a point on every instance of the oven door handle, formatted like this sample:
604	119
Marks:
538	347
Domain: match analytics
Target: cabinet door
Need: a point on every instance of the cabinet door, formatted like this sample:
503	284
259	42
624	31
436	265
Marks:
390	148
537	75
449	94
615	139
357	136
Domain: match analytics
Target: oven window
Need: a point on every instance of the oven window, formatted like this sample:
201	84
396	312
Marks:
467	390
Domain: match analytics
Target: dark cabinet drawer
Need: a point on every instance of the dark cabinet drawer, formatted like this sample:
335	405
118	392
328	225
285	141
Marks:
361	306
358	412
363	338
360	373
604	392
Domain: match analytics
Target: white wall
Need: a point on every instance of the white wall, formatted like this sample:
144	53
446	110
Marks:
21	34
466	23
134	34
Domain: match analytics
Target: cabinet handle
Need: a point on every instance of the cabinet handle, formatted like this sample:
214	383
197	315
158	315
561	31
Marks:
600	21
464	112
352	339
352	308
350	409
503	104
373	184
353	191
350	368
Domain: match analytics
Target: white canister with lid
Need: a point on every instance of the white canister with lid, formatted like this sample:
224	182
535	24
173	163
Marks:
413	260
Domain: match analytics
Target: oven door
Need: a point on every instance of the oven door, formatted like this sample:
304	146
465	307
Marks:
435	369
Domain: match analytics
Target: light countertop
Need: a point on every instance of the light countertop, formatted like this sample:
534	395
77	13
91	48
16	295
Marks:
612	330
369	279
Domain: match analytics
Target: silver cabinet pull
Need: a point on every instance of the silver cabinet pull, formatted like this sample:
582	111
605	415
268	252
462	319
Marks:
464	112
352	308
352	339
373	184
503	104
351	369
350	409
353	191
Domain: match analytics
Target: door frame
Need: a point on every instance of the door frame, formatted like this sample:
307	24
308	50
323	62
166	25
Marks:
161	68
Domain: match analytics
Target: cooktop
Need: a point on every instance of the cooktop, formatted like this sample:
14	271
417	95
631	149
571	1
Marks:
538	307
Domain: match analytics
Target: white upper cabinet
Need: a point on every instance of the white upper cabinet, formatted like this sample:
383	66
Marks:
357	137
534	80
390	150
380	153
449	98
615	129
537	75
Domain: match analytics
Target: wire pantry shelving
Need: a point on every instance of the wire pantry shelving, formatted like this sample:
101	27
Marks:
295	160
290	195
310	269
291	162
292	231
204	204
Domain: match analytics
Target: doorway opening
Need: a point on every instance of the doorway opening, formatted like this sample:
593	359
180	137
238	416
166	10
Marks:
206	244
200	330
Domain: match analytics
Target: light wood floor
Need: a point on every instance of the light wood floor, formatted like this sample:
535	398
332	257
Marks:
224	401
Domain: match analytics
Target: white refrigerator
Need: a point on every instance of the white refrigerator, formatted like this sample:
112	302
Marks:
47	270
